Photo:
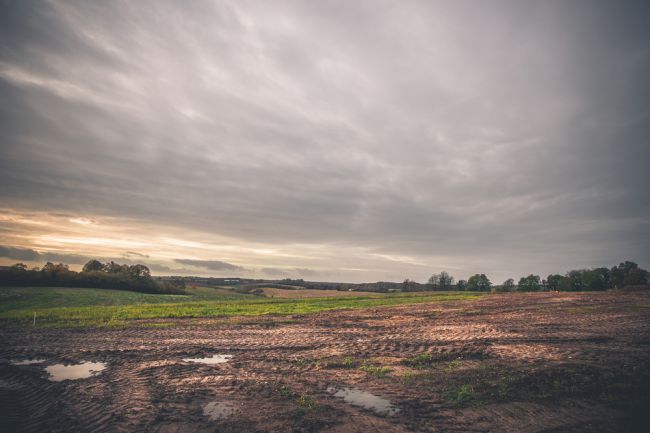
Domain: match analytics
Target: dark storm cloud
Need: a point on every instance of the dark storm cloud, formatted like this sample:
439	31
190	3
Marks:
213	265
506	131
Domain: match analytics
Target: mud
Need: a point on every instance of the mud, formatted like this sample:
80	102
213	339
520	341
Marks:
504	363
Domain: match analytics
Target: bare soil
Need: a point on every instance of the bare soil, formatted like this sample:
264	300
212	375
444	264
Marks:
570	362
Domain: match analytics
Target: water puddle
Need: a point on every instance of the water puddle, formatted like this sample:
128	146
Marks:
214	359
59	372
364	399
216	410
28	362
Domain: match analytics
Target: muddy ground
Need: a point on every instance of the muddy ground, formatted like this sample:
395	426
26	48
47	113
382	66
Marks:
506	363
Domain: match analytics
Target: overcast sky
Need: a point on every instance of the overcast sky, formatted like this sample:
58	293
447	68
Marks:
328	140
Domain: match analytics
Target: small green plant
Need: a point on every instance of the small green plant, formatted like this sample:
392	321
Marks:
375	370
300	362
307	402
462	395
419	361
453	365
348	362
285	391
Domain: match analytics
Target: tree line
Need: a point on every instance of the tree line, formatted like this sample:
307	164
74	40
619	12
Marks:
94	274
578	280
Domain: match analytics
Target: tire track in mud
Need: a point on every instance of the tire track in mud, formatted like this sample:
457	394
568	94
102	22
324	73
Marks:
23	393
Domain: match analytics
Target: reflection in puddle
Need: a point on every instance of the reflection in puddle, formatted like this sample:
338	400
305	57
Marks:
216	410
365	400
59	372
28	362
214	359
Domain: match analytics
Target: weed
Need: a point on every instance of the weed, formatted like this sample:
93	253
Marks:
285	391
419	361
300	362
377	371
461	395
346	362
307	402
453	365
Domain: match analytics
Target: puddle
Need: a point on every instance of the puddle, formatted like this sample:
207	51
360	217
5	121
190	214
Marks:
59	372
364	399
214	359
28	362
216	410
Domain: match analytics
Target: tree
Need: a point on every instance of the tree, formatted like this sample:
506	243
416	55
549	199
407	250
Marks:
596	279
55	271
573	281
446	280
620	272
507	286
441	281
19	267
139	271
409	286
530	283
553	282
114	268
94	266
636	277
479	282
461	285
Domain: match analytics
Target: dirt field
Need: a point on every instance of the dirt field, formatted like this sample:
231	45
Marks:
503	363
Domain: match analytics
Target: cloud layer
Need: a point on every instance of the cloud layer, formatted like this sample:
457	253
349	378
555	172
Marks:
365	140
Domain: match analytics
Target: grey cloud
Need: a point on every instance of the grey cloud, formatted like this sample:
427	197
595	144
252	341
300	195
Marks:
18	253
425	128
213	265
33	255
73	259
128	254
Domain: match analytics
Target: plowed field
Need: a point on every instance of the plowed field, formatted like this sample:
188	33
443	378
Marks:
504	363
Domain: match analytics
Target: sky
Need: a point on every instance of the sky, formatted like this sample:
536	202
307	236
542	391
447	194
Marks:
330	141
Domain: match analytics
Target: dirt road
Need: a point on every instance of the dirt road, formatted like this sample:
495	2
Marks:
504	363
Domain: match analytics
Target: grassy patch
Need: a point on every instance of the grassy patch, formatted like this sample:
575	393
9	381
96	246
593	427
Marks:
67	307
307	402
375	370
422	360
461	395
342	362
158	325
285	391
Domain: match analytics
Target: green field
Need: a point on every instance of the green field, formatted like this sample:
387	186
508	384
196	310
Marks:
72	307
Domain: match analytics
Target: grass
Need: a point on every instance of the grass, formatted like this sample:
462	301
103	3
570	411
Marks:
307	402
72	307
376	370
462	394
422	360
